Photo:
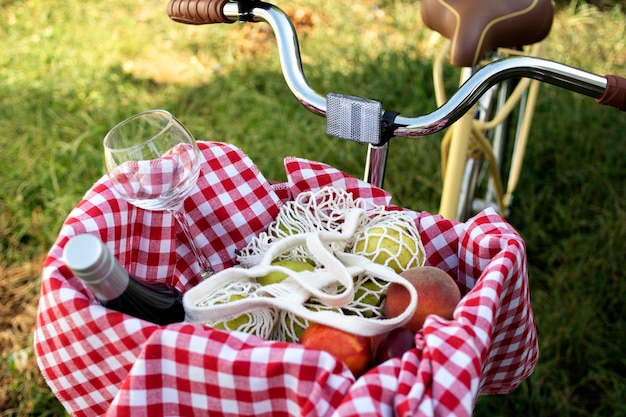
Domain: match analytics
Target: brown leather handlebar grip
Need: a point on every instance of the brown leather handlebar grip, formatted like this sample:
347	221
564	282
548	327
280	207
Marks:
615	92
197	12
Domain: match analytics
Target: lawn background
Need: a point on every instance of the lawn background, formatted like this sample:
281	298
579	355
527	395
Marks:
70	70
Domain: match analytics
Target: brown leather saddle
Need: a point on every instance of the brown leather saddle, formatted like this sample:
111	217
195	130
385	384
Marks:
477	26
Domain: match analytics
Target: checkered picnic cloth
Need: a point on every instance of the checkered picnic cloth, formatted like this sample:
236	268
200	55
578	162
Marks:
101	362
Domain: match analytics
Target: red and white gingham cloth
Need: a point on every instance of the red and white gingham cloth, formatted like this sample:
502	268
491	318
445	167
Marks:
101	362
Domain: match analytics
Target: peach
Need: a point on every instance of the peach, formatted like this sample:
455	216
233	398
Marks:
437	293
354	350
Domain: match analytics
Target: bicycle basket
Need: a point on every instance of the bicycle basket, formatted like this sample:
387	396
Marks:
101	362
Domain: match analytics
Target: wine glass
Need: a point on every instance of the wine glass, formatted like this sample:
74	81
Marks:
153	163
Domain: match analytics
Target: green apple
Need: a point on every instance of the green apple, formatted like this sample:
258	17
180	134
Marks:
275	276
288	231
368	293
236	322
388	246
294	326
284	231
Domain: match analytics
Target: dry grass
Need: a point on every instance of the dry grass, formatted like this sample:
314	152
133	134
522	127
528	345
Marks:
19	294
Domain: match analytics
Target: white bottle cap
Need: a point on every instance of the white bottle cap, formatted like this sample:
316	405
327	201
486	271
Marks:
91	261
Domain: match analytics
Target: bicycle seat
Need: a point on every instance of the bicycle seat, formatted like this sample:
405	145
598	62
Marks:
478	26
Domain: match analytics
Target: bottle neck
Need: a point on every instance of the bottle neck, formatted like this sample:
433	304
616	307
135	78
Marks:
92	262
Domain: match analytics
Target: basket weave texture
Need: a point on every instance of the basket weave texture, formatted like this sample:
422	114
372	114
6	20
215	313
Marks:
101	362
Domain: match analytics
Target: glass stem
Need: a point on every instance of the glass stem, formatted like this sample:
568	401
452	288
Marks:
205	268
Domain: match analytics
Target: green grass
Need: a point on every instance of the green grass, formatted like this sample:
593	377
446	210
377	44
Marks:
70	70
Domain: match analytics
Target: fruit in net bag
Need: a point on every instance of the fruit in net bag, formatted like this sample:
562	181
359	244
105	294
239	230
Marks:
368	295
392	243
236	322
437	293
259	322
292	326
276	276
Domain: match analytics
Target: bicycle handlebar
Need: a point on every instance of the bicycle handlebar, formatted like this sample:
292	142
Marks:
608	90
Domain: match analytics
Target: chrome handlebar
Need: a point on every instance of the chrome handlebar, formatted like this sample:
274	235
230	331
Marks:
561	75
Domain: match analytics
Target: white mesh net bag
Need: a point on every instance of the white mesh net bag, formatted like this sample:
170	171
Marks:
326	258
259	321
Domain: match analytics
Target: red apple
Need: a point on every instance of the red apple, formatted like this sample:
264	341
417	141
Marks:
354	350
437	293
394	344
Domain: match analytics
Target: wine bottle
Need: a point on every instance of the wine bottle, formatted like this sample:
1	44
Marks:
94	264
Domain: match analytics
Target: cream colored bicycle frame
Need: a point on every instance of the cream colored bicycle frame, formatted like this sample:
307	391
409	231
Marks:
467	135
